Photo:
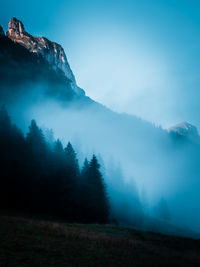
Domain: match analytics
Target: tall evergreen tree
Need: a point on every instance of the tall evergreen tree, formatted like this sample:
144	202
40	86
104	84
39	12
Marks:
98	205
59	156
58	147
38	168
11	160
71	160
35	137
84	171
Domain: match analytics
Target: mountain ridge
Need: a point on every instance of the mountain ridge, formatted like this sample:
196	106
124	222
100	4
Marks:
56	57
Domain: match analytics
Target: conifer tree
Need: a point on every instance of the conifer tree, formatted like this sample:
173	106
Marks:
36	141
58	147
84	171
71	160
98	196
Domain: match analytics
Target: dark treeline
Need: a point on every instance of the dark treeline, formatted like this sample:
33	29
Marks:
37	177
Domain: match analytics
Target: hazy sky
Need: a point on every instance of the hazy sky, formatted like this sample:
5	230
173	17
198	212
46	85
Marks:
140	57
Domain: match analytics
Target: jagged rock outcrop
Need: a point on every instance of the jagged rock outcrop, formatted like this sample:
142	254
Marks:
51	51
2	33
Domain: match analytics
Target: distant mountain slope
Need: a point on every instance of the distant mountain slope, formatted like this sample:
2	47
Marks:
185	130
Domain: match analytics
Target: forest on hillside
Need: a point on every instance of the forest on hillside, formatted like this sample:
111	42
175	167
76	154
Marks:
45	178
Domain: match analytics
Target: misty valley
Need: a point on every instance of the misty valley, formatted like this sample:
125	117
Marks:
69	158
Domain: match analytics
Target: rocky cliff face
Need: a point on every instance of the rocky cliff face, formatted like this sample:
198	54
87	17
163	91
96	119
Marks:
51	51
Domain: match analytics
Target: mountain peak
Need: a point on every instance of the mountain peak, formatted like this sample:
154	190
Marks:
15	28
184	129
51	51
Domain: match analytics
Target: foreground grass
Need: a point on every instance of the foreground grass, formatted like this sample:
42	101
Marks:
28	242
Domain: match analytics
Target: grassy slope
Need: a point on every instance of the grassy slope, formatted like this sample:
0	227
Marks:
28	242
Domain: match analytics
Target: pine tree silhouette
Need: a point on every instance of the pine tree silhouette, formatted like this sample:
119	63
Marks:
98	200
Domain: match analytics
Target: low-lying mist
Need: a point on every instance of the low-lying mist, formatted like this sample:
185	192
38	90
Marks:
152	176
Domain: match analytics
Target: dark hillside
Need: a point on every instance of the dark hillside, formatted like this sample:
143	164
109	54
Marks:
27	242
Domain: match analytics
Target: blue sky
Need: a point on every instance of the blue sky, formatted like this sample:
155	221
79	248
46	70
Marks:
140	57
